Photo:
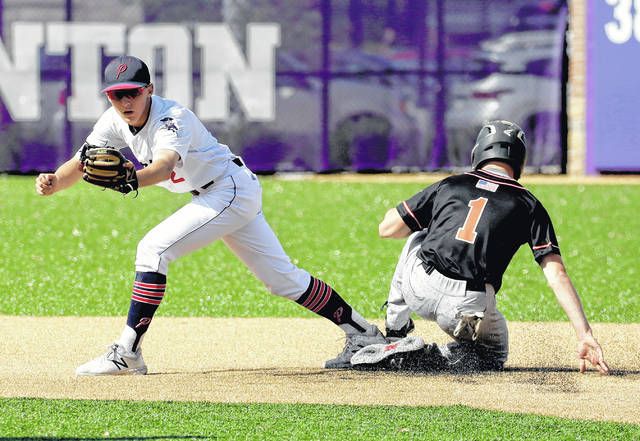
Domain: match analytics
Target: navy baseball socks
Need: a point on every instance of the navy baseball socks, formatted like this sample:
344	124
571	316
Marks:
324	301
125	356
147	294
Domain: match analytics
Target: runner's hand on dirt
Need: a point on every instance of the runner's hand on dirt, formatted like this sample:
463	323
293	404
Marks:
589	349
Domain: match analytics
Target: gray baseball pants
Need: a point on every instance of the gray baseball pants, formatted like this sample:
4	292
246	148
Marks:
438	298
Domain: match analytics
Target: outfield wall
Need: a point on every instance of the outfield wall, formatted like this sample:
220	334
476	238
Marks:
294	85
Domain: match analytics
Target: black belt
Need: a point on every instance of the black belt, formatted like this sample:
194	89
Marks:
204	187
472	285
237	161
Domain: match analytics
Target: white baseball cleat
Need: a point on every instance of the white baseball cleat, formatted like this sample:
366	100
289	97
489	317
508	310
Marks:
373	354
354	343
117	361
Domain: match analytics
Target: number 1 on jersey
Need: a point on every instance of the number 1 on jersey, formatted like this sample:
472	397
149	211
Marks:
468	231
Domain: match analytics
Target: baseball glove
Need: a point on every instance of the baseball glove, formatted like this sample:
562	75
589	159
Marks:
106	167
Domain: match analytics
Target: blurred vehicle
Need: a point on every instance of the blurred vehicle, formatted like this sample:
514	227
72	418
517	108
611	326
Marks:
523	90
527	100
373	123
520	51
538	14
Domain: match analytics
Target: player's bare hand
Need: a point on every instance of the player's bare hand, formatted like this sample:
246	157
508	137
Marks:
589	350
46	184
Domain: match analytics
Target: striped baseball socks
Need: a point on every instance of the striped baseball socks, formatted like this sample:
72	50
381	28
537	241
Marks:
148	291
323	300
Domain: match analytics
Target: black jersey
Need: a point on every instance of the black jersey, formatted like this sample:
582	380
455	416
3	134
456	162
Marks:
476	222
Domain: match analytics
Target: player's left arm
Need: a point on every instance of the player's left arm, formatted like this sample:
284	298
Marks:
164	161
567	296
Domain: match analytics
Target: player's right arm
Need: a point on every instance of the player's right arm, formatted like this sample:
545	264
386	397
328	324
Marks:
104	133
410	215
64	177
392	226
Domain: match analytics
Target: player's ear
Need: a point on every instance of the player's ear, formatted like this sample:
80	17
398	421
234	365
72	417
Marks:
150	87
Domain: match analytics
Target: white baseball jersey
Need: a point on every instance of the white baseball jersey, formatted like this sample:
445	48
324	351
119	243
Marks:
229	209
170	127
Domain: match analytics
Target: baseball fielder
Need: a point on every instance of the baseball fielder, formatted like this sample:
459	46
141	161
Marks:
462	233
181	155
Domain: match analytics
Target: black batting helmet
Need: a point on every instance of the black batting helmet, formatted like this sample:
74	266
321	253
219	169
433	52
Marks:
503	141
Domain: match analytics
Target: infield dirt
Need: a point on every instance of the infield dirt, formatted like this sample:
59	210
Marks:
279	361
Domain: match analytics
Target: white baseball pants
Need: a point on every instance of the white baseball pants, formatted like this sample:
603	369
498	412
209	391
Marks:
231	210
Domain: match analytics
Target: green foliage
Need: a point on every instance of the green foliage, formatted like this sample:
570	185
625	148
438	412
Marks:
55	419
73	253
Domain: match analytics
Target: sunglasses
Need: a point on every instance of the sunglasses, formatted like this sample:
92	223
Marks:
117	95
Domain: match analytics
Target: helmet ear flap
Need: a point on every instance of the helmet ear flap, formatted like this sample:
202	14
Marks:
473	153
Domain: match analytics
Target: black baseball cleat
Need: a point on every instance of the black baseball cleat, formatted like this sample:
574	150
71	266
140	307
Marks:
395	335
466	357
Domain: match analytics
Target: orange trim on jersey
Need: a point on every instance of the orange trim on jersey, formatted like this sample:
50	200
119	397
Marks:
406	207
539	247
497	182
497	175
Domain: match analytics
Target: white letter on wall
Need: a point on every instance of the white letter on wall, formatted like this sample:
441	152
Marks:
20	81
86	39
223	62
176	42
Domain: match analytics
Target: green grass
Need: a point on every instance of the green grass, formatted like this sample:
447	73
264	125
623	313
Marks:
41	419
73	253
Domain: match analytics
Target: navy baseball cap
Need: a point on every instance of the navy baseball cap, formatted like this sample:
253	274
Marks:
125	72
